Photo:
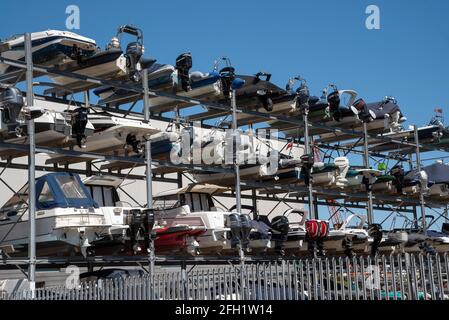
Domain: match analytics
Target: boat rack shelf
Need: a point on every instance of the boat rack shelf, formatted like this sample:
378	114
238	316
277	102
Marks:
308	195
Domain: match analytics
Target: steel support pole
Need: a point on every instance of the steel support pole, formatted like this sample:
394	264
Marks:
148	161
415	213
370	210
236	164
238	194
421	193
31	167
312	212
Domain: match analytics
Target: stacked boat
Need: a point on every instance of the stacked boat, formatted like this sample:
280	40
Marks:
76	217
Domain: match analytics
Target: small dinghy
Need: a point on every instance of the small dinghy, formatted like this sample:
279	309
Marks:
334	109
113	63
331	174
357	236
438	178
68	220
172	79
112	135
52	128
381	118
50	48
391	183
287	234
358	179
193	206
159	78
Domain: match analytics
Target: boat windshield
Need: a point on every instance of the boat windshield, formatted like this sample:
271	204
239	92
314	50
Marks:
198	201
166	203
71	187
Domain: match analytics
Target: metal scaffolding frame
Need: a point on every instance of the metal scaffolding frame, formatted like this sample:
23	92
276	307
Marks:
304	195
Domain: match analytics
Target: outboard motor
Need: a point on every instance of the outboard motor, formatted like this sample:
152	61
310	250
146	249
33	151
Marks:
375	232
134	50
136	145
79	123
149	220
280	227
398	173
316	232
334	104
306	168
362	110
263	95
236	229
246	227
302	93
183	66
227	75
136	225
11	103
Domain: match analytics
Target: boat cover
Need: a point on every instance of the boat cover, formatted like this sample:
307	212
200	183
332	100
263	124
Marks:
383	108
437	173
62	190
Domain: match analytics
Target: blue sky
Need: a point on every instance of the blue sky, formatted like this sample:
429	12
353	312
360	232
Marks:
324	41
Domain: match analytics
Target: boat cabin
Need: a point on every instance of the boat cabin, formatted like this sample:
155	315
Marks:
104	190
54	190
197	197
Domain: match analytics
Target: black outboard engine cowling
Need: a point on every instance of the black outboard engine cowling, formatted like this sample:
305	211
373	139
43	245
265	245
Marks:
11	103
398	173
263	95
134	52
375	232
363	110
148	224
246	227
334	105
280	226
183	65
136	145
79	122
236	229
227	75
136	225
306	168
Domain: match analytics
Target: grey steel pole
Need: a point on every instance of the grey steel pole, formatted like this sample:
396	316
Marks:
236	165
421	193
148	159
415	213
307	150
31	167
238	195
370	210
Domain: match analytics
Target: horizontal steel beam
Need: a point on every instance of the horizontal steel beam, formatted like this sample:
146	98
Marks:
103	157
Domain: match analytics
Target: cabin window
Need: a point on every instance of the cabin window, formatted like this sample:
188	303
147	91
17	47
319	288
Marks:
71	187
197	201
104	196
46	194
204	202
